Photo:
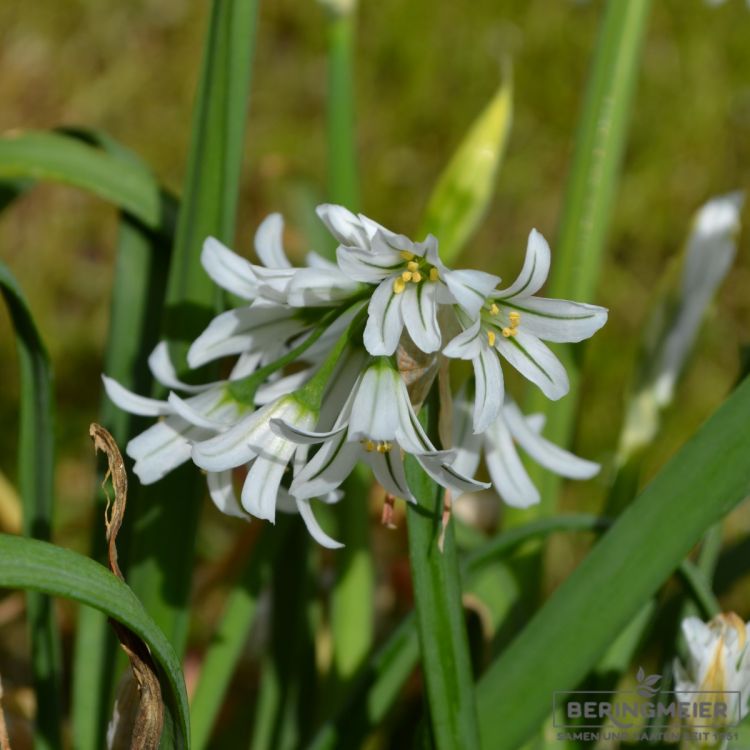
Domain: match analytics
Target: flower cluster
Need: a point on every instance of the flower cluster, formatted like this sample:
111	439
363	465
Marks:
320	381
718	665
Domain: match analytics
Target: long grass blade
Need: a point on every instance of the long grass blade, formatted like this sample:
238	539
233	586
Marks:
623	570
588	202
36	483
166	518
39	566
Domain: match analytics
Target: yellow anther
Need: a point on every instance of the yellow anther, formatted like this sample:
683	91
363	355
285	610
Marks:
515	319
406	255
507	332
368	445
494	309
412	265
383	447
491	337
399	285
434	274
416	277
406	275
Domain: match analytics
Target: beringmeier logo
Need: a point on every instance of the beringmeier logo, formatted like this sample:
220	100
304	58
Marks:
646	713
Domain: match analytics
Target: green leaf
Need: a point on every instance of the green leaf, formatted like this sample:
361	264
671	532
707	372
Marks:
462	194
36	483
700	485
230	637
38	566
137	294
166	516
56	157
587	208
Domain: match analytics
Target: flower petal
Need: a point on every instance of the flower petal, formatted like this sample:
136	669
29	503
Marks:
229	270
536	362
162	447
199	414
506	470
535	269
160	364
467	444
447	476
558	319
470	288
264	478
388	469
343	225
269	243
544	452
254	327
315	287
316	532
374	411
366	266
488	398
300	436
221	489
419	310
467	344
327	469
132	402
385	320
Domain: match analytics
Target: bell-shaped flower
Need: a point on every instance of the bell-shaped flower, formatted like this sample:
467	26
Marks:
376	424
718	665
498	444
514	323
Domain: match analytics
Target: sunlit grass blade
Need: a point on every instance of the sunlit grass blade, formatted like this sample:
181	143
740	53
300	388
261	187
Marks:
463	192
36	483
57	157
700	485
230	637
38	566
166	517
591	189
137	294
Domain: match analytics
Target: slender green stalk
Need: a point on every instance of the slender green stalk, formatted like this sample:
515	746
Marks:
587	208
166	517
285	708
343	178
437	599
626	567
226	645
36	483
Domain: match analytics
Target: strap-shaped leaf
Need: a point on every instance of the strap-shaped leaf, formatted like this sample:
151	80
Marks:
39	566
699	486
57	157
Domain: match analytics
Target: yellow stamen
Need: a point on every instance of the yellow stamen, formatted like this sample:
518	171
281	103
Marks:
406	255
412	265
399	285
515	319
416	277
368	445
491	337
434	274
494	309
507	332
383	447
406	275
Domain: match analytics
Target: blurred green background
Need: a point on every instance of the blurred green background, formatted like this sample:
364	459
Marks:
424	71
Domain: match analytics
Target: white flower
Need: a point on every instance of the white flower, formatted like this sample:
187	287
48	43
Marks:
253	443
411	281
718	661
509	477
376	423
513	323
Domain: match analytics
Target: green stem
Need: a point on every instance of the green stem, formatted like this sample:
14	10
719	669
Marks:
437	598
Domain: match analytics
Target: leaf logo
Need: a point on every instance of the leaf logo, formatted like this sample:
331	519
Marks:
646	684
